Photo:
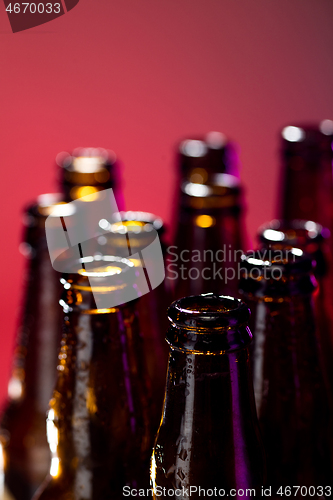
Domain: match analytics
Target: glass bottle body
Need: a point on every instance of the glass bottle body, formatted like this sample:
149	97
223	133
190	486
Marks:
209	234
23	426
313	239
99	425
208	246
291	396
292	399
209	436
307	189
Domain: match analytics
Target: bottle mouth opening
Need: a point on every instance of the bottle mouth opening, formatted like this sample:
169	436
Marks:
296	233
277	264
208	311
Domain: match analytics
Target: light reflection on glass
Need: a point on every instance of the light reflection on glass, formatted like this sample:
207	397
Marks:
15	388
272	235
52	434
216	140
326	127
293	134
88	193
193	189
205	221
193	148
296	251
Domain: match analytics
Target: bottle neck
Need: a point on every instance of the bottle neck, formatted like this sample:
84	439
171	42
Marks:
35	359
209	408
208	243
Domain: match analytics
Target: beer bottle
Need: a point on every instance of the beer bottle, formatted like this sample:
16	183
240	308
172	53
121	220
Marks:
208	440
23	427
292	400
140	229
313	239
98	424
209	234
86	171
307	156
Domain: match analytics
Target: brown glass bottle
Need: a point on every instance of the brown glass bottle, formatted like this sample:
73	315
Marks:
23	427
306	183
140	229
210	235
98	424
293	403
86	171
313	239
208	435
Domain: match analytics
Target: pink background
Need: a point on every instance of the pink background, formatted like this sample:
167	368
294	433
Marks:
136	76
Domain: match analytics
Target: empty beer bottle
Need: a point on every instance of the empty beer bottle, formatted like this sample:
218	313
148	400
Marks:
141	229
23	427
292	400
209	235
307	190
86	171
313	239
98	424
208	442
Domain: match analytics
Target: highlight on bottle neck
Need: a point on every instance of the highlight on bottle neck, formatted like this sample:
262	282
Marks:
208	324
86	171
209	172
202	158
277	273
100	285
308	143
307	235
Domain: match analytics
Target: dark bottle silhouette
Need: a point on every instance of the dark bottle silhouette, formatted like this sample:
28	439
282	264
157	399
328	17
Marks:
23	421
306	183
293	403
313	239
23	426
140	229
86	171
98	425
208	435
209	233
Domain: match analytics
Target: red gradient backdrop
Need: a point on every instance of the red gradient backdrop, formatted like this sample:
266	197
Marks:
136	76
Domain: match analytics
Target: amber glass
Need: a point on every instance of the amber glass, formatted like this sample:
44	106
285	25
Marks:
209	232
208	436
293	403
314	240
23	427
306	184
140	229
98	426
88	170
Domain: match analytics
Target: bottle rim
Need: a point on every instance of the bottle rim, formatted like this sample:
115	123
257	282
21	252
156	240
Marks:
208	311
294	233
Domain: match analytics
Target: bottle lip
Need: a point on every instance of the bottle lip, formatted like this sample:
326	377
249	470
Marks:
208	311
277	273
143	222
86	160
293	233
288	261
